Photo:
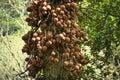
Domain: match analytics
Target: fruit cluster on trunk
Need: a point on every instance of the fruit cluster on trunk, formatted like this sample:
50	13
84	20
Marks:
54	39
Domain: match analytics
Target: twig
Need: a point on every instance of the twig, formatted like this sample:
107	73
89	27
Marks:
19	74
12	54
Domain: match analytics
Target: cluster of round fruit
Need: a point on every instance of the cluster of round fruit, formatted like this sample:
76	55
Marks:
63	16
38	10
56	36
60	17
34	65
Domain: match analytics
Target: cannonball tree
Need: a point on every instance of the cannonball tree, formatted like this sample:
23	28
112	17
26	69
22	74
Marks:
52	43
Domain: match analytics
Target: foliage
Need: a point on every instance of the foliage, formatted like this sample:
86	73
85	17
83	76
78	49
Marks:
12	26
12	16
102	24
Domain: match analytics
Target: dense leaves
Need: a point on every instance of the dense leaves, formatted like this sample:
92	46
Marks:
102	23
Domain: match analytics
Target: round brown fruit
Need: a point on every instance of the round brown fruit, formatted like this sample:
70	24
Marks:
71	45
67	31
65	55
80	65
65	25
62	12
53	41
37	39
66	63
44	12
33	39
67	39
59	17
53	53
54	14
81	56
77	49
31	15
44	3
28	19
74	5
44	48
73	31
64	34
30	9
85	38
39	31
49	35
62	7
25	50
48	7
76	67
77	56
83	62
38	44
52	11
62	21
35	35
39	48
68	22
44	38
48	43
58	23
44	8
55	20
25	37
67	50
70	63
77	41
35	2
57	9
76	53
56	60
68	5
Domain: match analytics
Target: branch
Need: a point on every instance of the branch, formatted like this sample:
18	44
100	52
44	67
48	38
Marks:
9	48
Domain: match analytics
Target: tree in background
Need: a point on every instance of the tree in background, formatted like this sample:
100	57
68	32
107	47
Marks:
12	27
102	22
13	14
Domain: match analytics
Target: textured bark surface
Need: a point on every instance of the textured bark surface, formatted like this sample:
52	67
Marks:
55	71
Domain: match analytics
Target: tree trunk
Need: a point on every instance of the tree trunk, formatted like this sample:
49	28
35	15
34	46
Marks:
55	71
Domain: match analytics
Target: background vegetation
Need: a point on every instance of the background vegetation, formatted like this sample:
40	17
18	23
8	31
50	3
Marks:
101	20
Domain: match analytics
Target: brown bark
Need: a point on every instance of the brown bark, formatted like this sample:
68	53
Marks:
55	71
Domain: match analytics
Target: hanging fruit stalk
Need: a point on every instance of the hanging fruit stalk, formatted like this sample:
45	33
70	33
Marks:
53	41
